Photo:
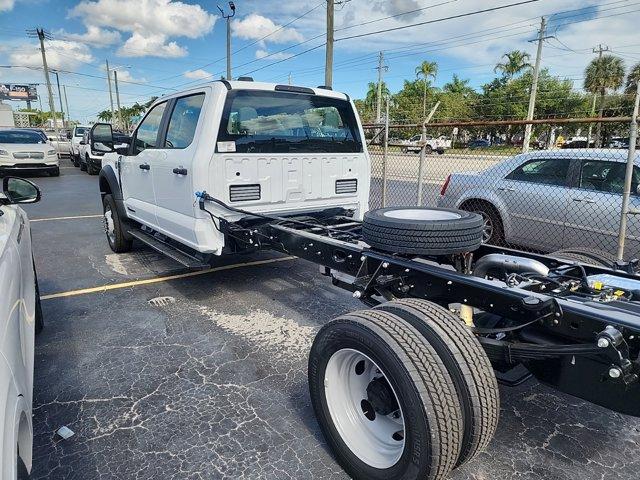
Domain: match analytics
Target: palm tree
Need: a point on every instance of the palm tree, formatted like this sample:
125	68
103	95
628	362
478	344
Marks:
105	115
632	79
516	62
372	94
457	86
426	70
602	74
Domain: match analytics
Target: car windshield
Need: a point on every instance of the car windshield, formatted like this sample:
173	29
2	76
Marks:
20	137
282	122
80	131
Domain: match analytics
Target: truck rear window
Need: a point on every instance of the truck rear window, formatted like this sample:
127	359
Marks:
281	122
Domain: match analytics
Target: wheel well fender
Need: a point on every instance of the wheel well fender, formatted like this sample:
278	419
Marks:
109	185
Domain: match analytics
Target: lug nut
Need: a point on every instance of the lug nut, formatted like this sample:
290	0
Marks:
615	372
603	343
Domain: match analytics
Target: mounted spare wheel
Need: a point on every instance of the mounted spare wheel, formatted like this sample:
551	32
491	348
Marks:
422	230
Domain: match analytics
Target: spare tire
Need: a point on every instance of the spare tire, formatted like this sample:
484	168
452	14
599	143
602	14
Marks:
422	231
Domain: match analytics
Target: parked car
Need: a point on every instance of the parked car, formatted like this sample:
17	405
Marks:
479	143
439	144
23	150
551	200
76	138
578	142
91	159
619	142
60	142
20	320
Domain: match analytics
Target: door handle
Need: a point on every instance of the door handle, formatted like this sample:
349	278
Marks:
180	171
585	200
507	189
144	166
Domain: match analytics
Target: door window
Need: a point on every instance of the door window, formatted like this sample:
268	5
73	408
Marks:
551	171
184	120
606	177
147	133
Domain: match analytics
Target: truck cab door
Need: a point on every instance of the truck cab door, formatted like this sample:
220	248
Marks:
137	168
173	172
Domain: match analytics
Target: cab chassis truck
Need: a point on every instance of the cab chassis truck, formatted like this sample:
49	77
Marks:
406	388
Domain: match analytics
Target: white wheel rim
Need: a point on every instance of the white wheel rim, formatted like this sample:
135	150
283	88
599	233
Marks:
378	441
421	214
109	226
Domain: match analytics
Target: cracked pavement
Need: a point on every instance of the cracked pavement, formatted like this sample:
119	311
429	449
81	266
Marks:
210	381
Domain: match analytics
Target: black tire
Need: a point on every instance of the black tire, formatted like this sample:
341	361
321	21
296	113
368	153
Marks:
422	231
590	256
76	160
405	150
428	149
91	170
440	151
39	318
83	165
490	216
467	364
425	391
119	242
55	173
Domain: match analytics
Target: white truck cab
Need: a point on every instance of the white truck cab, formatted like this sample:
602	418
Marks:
266	148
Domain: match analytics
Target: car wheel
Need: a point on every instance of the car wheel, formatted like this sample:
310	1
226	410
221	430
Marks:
114	227
55	173
440	151
384	399
405	150
91	170
83	165
76	160
428	149
492	229
422	231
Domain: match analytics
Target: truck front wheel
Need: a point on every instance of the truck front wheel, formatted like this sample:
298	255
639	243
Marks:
383	398
114	227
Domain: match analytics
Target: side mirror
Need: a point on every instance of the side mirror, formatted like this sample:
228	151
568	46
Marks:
101	138
69	135
19	190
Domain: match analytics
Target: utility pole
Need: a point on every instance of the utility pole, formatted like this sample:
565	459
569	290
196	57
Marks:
228	18
328	66
115	81
59	95
380	68
66	102
600	49
41	34
534	85
289	78
113	113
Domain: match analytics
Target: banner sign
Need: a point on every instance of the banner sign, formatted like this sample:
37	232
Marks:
12	91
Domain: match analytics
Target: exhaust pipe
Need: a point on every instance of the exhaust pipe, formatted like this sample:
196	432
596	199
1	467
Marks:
508	264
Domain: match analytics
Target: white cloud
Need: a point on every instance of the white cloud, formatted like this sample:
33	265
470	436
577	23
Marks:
152	23
254	27
260	54
6	5
125	76
198	74
150	45
61	55
95	36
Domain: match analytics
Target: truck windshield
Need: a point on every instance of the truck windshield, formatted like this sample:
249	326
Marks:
283	122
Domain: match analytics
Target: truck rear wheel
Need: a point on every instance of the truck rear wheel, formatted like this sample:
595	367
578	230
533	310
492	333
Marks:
114	227
422	231
383	398
467	364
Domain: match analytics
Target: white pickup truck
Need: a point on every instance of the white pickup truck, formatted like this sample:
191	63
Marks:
262	147
432	144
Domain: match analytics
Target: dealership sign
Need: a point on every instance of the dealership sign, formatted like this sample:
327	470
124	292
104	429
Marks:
12	91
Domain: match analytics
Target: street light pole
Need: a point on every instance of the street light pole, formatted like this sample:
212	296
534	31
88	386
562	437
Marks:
228	18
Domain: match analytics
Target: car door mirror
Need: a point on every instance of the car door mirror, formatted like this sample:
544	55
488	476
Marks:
101	136
19	190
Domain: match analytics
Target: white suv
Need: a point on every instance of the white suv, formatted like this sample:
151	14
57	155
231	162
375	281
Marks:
271	149
76	139
20	319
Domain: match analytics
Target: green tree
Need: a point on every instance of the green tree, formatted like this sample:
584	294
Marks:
603	74
632	79
516	62
457	86
426	70
105	115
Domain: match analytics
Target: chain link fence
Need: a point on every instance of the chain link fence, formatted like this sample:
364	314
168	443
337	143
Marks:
565	192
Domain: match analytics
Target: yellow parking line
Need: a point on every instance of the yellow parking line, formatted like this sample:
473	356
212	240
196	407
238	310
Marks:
117	286
63	218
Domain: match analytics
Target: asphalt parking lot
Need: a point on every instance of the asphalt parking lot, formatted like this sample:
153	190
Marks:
168	375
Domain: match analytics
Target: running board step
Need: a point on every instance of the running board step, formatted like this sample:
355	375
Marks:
168	250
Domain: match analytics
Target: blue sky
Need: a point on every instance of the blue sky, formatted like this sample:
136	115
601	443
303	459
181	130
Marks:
160	46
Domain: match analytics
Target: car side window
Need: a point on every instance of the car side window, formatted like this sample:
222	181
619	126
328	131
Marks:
550	171
607	177
184	120
147	133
